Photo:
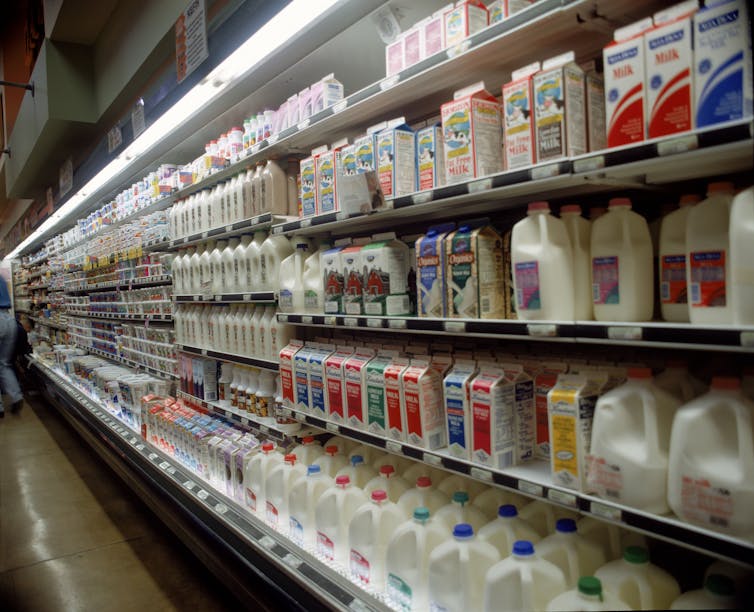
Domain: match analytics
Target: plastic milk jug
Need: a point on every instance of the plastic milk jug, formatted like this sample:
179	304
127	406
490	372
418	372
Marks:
388	480
460	510
368	535
345	445
278	487
719	593
274	250
314	288
634	580
630	442
711	471
542	263
256	474
456	482
358	471
522	581
407	560
580	233
418	468
332	515
308	450
622	278
588	595
422	495
742	257
506	530
302	501
677	381
457	569
490	501
612	539
574	554
742	577
291	279
332	460
708	257
543	516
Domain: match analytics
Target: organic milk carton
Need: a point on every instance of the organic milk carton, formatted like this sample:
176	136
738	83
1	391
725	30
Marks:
375	392
493	417
334	382
327	171
523	396
624	84
595	108
287	378
318	395
457	396
384	263
354	370
668	51
518	107
467	17
301	375
430	157
395	159
430	271
352	269
571	405
722	62
394	401
333	277
474	275
425	414
472	135
544	380
308	171
560	111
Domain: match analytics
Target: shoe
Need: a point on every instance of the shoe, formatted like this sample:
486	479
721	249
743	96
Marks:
15	407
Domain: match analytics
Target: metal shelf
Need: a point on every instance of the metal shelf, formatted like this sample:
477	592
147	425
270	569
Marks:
155	281
259	222
116	316
264	364
258	297
48	323
128	362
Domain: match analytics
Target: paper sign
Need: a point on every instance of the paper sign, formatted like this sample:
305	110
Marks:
138	124
190	39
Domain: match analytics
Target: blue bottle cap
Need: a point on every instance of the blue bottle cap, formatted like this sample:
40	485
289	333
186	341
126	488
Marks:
523	548
565	525
463	530
507	511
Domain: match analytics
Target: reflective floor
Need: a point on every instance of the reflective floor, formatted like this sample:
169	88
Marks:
74	537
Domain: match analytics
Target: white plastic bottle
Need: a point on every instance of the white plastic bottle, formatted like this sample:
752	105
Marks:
456	482
742	257
543	516
457	569
589	596
708	257
388	480
308	450
368	453
542	265
368	535
742	577
719	593
622	278
522	581
422	495
630	440
332	515
490	501
302	501
612	539
711	468
639	583
291	279
419	468
238	276
195	268
205	202
278	486
253	262
177	272
672	261
677	381
253	339
314	288
255	477
459	510
574	554
358	471
229	283
580	234
216	267
274	250
506	530
263	334
205	268
332	461
248	203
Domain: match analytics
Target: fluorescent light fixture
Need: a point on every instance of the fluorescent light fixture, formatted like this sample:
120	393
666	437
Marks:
283	27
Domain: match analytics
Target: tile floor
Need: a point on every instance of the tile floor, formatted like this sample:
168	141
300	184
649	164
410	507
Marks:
74	537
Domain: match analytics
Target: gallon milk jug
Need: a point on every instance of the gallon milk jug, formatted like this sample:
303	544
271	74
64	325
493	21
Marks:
459	510
368	453
407	560
331	461
574	554
388	480
456	482
291	279
672	262
742	257
274	250
543	516
676	380
612	539
622	278
634	580
256	474
302	501
587	596
490	501
344	445
580	233
369	532
708	257
542	263
456	571
358	471
711	471
522	581
628	460
719	593
332	515
278	487
314	281
742	577
507	529
419	468
422	495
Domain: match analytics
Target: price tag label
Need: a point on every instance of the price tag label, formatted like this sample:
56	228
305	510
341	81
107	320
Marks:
530	488
221	508
204	352
305	223
302	125
164	465
481	185
272	139
307	319
333	427
171	470
244	421
266	542
561	497
378	323
546	171
264	429
747	339
480	474
350	322
458	49
278	229
204	235
607	512
140	447
331	320
189	484
202	494
455	327
218	298
431	459
394	447
152	456
590	164
681	144
624	333
542	330
389	82
422	198
292	560
196	298
397	323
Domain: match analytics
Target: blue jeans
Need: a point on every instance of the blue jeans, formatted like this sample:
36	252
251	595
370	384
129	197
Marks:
8	381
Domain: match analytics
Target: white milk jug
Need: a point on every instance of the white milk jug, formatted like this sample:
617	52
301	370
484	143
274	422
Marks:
274	250
522	581
456	571
332	515
314	281
636	581
708	257
456	482
291	280
628	460
256	474
542	266
490	501
459	510
277	490
677	381
612	539
622	278
719	593
672	262
302	501
742	257
711	471
574	554
344	445
742	577
368	453
388	480
422	495
369	532
543	516
507	529
587	596
307	450
419	468
358	471
331	461
580	233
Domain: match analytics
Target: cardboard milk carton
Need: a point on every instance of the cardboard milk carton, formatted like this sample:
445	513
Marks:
523	393
544	380
457	397
430	157
333	277
412	46
494	418
355	380
327	172
301	375
365	149
472	135
394	61
394	401
467	17
595	107
433	31
384	262
335	382
430	272
518	113
422	396
287	378
396	170
318	395
352	269
375	391
308	171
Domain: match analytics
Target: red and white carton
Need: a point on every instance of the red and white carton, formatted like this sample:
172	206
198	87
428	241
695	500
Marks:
518	116
466	18
670	69
425	410
287	380
624	85
394	401
355	379
493	411
335	382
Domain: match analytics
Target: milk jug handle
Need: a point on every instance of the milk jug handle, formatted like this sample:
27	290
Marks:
651	433
527	588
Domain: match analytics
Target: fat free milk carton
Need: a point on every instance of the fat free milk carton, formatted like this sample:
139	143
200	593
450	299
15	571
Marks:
518	114
385	267
472	135
493	417
430	272
318	395
355	380
287	378
430	157
422	396
375	392
394	400
308	170
395	159
328	169
335	382
467	17
723	62
457	396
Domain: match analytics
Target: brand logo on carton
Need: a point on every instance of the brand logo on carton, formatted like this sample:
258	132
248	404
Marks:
672	37
461	258
723	19
428	260
457	129
623	55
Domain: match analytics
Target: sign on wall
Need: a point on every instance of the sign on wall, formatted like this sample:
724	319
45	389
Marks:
190	39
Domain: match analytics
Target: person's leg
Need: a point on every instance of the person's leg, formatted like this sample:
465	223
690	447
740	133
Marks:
8	381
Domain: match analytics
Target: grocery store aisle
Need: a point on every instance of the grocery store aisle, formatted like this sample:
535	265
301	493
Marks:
74	537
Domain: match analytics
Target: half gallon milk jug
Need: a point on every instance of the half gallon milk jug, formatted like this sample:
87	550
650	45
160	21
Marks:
456	571
587	596
275	189
580	234
388	480
542	263
543	516
708	257
522	581
369	532
490	501
422	495
636	581
332	515
459	510
719	593
344	445
358	471
711	471
407	560
677	381
331	461
302	501
672	262
622	276
278	487
507	529
574	554
742	257
256	474
628	460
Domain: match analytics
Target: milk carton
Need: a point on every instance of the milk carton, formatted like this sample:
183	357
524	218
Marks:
394	57
308	171
352	269
523	396
365	150
471	131
465	19
624	85
518	113
334	382
384	262
722	62
560	110
430	157
669	58
425	414
375	391
301	375
327	172
394	400
595	107
544	380
412	46
333	277
457	396
494	418
395	159
474	275
318	395
287	379
430	272
433	31
347	161
354	370
328	91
